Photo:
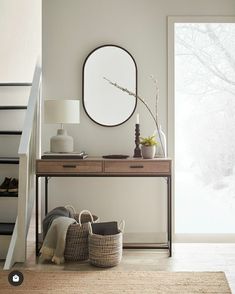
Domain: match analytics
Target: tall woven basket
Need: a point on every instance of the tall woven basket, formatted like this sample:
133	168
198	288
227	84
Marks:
76	247
106	251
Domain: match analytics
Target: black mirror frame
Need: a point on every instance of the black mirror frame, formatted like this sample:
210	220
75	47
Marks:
83	78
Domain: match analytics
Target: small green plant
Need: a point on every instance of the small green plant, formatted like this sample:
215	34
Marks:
148	141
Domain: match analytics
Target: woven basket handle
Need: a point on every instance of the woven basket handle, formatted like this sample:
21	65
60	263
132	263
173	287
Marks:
121	226
90	228
80	215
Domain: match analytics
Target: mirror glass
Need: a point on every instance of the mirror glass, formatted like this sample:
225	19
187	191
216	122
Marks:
105	104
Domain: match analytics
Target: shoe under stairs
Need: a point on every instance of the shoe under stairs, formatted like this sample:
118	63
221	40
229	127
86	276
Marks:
11	112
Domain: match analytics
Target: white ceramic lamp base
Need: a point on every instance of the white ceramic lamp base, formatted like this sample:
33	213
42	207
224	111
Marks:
62	142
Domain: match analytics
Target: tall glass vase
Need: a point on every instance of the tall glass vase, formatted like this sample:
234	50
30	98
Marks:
161	150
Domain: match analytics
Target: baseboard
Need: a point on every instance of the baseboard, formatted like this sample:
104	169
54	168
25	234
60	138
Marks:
204	238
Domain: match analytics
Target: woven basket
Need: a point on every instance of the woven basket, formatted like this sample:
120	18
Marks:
105	251
76	247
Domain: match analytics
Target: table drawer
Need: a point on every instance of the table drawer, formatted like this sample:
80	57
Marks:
73	166
138	166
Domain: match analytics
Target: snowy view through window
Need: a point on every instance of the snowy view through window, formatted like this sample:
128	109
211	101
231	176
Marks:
205	128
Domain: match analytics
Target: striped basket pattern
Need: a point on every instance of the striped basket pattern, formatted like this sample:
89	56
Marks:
76	248
105	251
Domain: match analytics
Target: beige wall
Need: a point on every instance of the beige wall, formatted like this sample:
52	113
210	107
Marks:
20	31
71	29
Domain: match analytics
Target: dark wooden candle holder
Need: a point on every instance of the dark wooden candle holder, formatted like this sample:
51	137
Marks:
137	151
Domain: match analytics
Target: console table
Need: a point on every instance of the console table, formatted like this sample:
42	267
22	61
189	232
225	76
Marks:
99	167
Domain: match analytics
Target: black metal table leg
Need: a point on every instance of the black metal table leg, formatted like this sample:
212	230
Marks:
169	215
36	218
46	195
37	211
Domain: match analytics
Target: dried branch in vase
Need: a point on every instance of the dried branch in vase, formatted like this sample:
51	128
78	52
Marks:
155	118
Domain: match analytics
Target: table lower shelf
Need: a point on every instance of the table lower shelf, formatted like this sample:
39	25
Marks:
165	246
145	246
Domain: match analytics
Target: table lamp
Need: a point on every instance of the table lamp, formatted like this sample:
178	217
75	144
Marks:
61	112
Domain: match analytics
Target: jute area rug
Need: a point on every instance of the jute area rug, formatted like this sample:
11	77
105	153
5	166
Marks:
105	281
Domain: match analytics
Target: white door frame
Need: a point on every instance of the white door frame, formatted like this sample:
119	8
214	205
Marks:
187	238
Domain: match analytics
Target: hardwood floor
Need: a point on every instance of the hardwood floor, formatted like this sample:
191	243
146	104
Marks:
186	257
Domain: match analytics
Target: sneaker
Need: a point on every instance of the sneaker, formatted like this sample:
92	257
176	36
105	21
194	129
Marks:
13	186
5	185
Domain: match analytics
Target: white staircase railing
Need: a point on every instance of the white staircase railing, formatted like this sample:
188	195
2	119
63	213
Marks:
29	150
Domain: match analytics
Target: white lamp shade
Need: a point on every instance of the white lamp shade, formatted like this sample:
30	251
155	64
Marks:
62	111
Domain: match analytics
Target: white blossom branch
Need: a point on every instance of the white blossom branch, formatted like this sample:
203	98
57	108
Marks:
146	105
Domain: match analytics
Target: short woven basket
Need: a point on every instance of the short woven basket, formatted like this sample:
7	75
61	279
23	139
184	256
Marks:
76	248
105	251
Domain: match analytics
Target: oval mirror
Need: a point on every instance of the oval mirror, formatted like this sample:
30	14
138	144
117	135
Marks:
103	103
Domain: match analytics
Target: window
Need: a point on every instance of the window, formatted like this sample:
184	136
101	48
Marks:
204	127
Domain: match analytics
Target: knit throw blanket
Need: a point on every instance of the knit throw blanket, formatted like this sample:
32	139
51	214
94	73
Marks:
54	243
53	214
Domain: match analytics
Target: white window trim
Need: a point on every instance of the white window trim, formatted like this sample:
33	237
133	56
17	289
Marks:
186	238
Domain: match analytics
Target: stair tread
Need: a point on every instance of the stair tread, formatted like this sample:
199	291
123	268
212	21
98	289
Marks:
14	84
12	107
6	228
9	160
8	194
10	132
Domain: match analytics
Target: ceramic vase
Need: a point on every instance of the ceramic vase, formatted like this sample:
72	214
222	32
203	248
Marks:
148	152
